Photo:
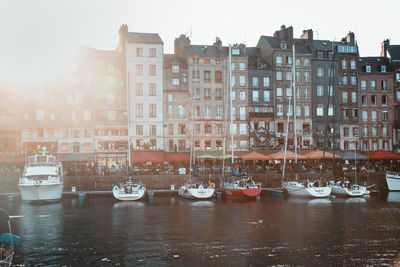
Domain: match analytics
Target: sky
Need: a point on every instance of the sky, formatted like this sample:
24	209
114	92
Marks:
39	38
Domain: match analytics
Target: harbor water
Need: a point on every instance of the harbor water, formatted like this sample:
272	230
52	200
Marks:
169	231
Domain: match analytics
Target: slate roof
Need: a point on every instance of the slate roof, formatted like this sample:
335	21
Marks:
303	46
375	63
172	59
394	52
144	38
205	51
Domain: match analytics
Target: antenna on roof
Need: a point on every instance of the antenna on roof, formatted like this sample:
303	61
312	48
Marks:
190	35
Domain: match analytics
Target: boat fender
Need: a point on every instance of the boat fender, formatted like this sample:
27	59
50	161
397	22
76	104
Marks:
186	186
212	185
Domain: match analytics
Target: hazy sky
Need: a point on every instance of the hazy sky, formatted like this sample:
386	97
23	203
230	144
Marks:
39	38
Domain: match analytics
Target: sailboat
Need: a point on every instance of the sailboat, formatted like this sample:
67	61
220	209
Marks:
129	190
191	189
239	185
295	188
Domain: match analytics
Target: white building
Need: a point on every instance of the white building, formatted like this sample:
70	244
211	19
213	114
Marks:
143	53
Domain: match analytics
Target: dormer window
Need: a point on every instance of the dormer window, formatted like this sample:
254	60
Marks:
368	69
383	68
235	51
175	68
283	45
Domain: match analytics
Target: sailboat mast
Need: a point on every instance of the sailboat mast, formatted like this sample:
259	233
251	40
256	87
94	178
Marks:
230	97
193	109
294	102
225	116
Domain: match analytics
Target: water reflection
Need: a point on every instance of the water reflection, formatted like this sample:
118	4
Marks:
393	197
129	204
201	203
309	201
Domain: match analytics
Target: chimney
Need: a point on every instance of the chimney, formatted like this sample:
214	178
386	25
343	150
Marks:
384	48
180	43
285	34
123	32
307	35
218	42
350	38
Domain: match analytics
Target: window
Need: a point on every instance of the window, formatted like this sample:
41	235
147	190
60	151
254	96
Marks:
373	131
74	115
218	111
233	128
353	80
364	100
298	62
170	110
235	51
152	89
383	68
279	92
39	115
384	100
152	111
278	61
233	95
254	81
207	129
233	66
243	128
170	129
279	76
289	92
152	70
320	72
346	113
384	85
320	54
182	145
139	69
298	111
218	128
353	97
233	80
353	64
306	62
364	116
344	80
330	110
373	116
365	131
139	129
288	76
153	52
306	93
363	85
280	127
242	66
175	68
385	115
207	111
255	96
355	131
242	95
86	115
320	110
355	112
267	96
242	111
344	64
279	110
242	80
346	131
153	144
139	52
298	76
218	93
307	111
76	147
111	115
345	97
139	89
152	130
218	77
306	77
207	76
175	81
385	131
373	100
368	69
207	93
139	144
320	90
110	99
181	111
139	110
398	76
266	82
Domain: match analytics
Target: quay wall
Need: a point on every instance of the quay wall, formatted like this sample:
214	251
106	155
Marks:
164	181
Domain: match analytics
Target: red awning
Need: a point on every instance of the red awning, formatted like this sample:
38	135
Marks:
176	157
382	154
142	156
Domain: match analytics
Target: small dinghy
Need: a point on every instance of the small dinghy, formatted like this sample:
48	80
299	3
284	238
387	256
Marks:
129	190
8	242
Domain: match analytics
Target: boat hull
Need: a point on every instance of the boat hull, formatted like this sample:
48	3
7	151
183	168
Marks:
135	195
393	181
196	193
301	191
39	192
241	192
359	191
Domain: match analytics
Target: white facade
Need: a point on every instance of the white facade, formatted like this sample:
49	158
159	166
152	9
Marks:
145	91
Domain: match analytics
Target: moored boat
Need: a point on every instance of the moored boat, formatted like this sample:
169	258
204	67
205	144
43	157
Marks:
243	187
393	181
129	190
194	191
307	189
347	189
42	179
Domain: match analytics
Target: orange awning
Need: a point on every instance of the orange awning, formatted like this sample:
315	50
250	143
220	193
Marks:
145	156
176	157
318	154
255	156
382	154
289	155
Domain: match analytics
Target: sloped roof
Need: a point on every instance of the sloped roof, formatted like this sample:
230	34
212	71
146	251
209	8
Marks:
205	51
303	46
375	63
144	38
172	59
394	52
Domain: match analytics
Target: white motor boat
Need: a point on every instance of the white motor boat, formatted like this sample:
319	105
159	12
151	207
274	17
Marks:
129	191
42	178
393	181
308	189
347	189
194	191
